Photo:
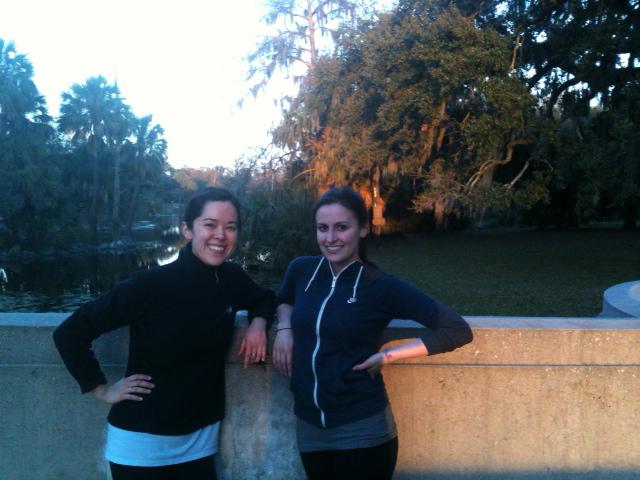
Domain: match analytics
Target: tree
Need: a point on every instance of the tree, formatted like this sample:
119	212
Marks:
582	61
424	93
300	25
120	128
29	188
95	117
147	165
592	46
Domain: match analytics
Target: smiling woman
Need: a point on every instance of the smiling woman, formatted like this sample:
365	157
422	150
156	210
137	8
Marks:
214	232
338	233
331	314
166	410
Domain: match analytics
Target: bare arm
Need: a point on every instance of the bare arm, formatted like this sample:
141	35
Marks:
410	349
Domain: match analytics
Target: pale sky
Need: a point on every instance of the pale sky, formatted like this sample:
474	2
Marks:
181	61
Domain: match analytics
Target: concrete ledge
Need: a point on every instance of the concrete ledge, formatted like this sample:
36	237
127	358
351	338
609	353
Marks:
530	398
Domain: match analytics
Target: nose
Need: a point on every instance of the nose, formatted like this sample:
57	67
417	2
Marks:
331	235
219	232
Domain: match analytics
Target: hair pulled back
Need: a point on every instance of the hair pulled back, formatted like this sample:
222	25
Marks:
196	204
351	200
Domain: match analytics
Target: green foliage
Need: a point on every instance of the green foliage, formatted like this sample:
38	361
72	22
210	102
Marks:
597	161
102	165
30	181
94	114
277	225
471	101
422	92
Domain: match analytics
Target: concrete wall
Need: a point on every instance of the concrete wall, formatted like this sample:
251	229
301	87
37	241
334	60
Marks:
530	398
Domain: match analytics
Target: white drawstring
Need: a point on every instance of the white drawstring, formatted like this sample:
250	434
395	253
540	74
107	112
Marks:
314	274
354	298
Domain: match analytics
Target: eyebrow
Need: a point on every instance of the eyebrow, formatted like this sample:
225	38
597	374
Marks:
210	219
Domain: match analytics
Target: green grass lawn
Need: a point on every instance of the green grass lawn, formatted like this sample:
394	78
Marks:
528	273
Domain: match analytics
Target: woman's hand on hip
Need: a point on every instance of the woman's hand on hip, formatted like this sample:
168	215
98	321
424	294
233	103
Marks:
128	388
373	364
412	348
282	350
254	343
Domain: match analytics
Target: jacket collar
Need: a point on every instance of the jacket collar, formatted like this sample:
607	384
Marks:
352	271
187	259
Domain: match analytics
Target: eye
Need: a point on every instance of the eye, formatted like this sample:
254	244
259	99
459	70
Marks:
209	225
321	227
232	228
341	227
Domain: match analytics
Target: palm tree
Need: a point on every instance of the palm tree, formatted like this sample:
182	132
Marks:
96	117
148	157
19	96
25	131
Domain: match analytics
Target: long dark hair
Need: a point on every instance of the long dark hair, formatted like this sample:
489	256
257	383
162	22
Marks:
351	200
212	194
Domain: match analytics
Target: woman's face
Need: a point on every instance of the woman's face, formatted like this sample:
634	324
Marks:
214	232
338	234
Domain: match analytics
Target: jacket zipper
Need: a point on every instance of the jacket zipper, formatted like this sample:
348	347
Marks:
315	351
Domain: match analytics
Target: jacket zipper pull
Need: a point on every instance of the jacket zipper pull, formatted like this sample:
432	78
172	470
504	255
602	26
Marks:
333	282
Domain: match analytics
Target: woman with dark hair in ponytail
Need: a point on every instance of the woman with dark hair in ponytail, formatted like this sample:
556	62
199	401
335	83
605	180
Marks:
332	310
166	411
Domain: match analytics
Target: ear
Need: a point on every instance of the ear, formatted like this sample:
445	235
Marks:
364	230
186	232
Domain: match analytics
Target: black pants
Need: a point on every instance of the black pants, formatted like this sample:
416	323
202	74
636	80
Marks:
201	469
375	463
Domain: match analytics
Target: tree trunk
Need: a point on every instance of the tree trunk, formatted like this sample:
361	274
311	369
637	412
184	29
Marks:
93	208
439	216
133	203
115	213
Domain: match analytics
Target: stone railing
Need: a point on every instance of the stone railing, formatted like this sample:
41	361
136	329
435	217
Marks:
530	398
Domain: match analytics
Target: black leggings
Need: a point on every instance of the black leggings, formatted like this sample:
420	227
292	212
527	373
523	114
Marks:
374	463
200	469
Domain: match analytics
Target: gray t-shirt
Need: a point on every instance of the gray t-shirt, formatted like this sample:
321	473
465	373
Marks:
365	433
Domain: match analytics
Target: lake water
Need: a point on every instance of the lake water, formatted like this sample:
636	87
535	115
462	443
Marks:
62	283
59	284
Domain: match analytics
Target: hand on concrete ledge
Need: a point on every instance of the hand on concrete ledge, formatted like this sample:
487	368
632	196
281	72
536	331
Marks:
254	343
124	389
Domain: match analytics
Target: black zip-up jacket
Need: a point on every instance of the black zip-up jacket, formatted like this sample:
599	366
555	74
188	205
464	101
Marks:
337	322
181	319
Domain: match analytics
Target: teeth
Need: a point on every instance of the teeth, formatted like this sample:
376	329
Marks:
216	248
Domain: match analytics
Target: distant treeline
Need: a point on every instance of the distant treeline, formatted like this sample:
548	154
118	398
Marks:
450	111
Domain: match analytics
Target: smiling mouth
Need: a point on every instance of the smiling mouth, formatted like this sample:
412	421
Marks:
333	248
216	248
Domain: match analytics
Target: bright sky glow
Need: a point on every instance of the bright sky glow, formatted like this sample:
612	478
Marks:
182	62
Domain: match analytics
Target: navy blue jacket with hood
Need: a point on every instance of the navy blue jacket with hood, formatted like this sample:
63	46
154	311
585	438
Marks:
337	322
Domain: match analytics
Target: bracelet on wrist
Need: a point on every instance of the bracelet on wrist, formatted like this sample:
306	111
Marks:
283	328
386	353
